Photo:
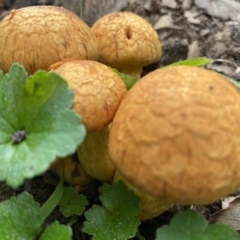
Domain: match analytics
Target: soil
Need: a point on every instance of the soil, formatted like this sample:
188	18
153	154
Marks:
187	29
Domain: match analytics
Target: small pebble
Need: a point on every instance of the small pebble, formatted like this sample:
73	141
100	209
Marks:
169	3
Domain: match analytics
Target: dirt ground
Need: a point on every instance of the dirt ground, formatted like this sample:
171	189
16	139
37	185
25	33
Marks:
187	29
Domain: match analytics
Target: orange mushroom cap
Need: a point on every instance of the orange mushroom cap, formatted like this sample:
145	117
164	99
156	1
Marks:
127	42
39	36
97	89
176	135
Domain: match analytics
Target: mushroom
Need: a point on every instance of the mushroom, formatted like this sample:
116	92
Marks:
74	174
98	92
127	42
176	135
39	36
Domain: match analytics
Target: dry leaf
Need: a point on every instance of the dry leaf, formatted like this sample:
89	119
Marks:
230	214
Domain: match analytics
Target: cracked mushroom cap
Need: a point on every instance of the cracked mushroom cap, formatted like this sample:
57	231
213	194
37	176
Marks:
39	36
127	42
176	135
98	91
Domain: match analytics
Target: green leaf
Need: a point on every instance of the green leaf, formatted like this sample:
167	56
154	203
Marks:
57	231
20	218
36	123
117	217
127	79
72	203
194	62
220	231
53	200
189	225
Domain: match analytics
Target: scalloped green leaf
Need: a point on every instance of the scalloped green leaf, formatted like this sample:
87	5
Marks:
72	203
36	123
117	217
190	225
187	225
56	231
20	218
220	231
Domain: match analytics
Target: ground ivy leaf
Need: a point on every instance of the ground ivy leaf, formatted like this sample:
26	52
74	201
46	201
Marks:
12	90
57	231
20	218
117	217
39	108
220	231
187	225
72	203
46	94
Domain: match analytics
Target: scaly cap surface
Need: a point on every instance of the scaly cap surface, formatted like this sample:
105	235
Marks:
126	41
98	91
39	36
176	135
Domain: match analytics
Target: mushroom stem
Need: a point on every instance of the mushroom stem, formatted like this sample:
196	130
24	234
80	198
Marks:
93	156
149	207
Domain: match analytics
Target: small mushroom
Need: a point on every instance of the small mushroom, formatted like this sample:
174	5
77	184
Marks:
74	174
98	92
176	135
39	36
127	42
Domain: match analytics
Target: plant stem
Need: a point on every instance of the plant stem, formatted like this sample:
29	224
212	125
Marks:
53	200
140	236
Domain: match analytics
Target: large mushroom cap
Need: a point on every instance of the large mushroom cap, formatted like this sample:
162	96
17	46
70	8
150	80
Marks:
126	41
97	89
176	135
39	36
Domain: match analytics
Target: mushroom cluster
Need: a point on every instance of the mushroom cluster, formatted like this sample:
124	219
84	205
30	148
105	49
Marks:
175	136
55	39
172	138
98	90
